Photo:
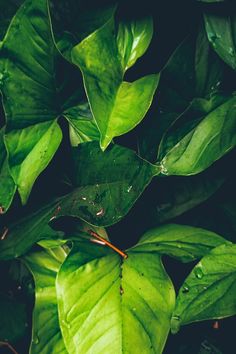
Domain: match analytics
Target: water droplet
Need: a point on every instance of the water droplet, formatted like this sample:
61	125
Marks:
129	188
205	288
101	212
36	340
175	324
19	288
231	51
83	198
198	272
134	309
218	83
185	289
121	290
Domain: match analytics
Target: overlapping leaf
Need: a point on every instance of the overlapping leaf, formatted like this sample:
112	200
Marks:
46	334
183	242
109	305
207	142
209	290
117	106
8	186
221	31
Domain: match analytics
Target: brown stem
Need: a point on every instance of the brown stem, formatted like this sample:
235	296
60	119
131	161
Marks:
9	347
107	243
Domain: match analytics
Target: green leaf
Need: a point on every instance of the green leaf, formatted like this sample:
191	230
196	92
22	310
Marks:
192	85
27	231
117	106
8	187
209	290
185	243
30	151
8	10
207	142
176	195
133	39
221	31
107	190
83	127
109	305
13	319
27	66
46	334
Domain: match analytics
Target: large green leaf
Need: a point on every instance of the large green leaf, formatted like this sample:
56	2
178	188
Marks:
221	31
27	66
207	142
117	106
109	305
192	75
8	186
107	189
183	242
209	290
46	334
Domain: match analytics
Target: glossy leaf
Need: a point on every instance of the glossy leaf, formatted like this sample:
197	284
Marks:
212	138
109	305
46	334
83	127
183	242
13	319
29	94
221	31
24	233
107	190
117	106
7	184
133	39
209	290
192	85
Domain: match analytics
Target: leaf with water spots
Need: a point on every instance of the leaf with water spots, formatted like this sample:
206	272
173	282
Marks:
221	31
108	304
209	290
46	334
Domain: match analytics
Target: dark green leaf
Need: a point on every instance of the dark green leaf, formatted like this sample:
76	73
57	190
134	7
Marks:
13	319
209	290
109	305
221	31
46	334
117	106
7	184
107	190
183	242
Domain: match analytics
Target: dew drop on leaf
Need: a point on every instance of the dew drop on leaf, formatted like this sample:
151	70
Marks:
185	289
198	273
101	212
175	324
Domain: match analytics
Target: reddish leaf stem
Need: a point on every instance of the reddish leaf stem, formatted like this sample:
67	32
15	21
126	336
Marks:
107	243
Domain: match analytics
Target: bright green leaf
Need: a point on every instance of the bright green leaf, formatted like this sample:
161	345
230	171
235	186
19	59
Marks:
117	106
209	290
221	31
109	305
212	138
30	151
46	335
133	39
185	243
27	67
